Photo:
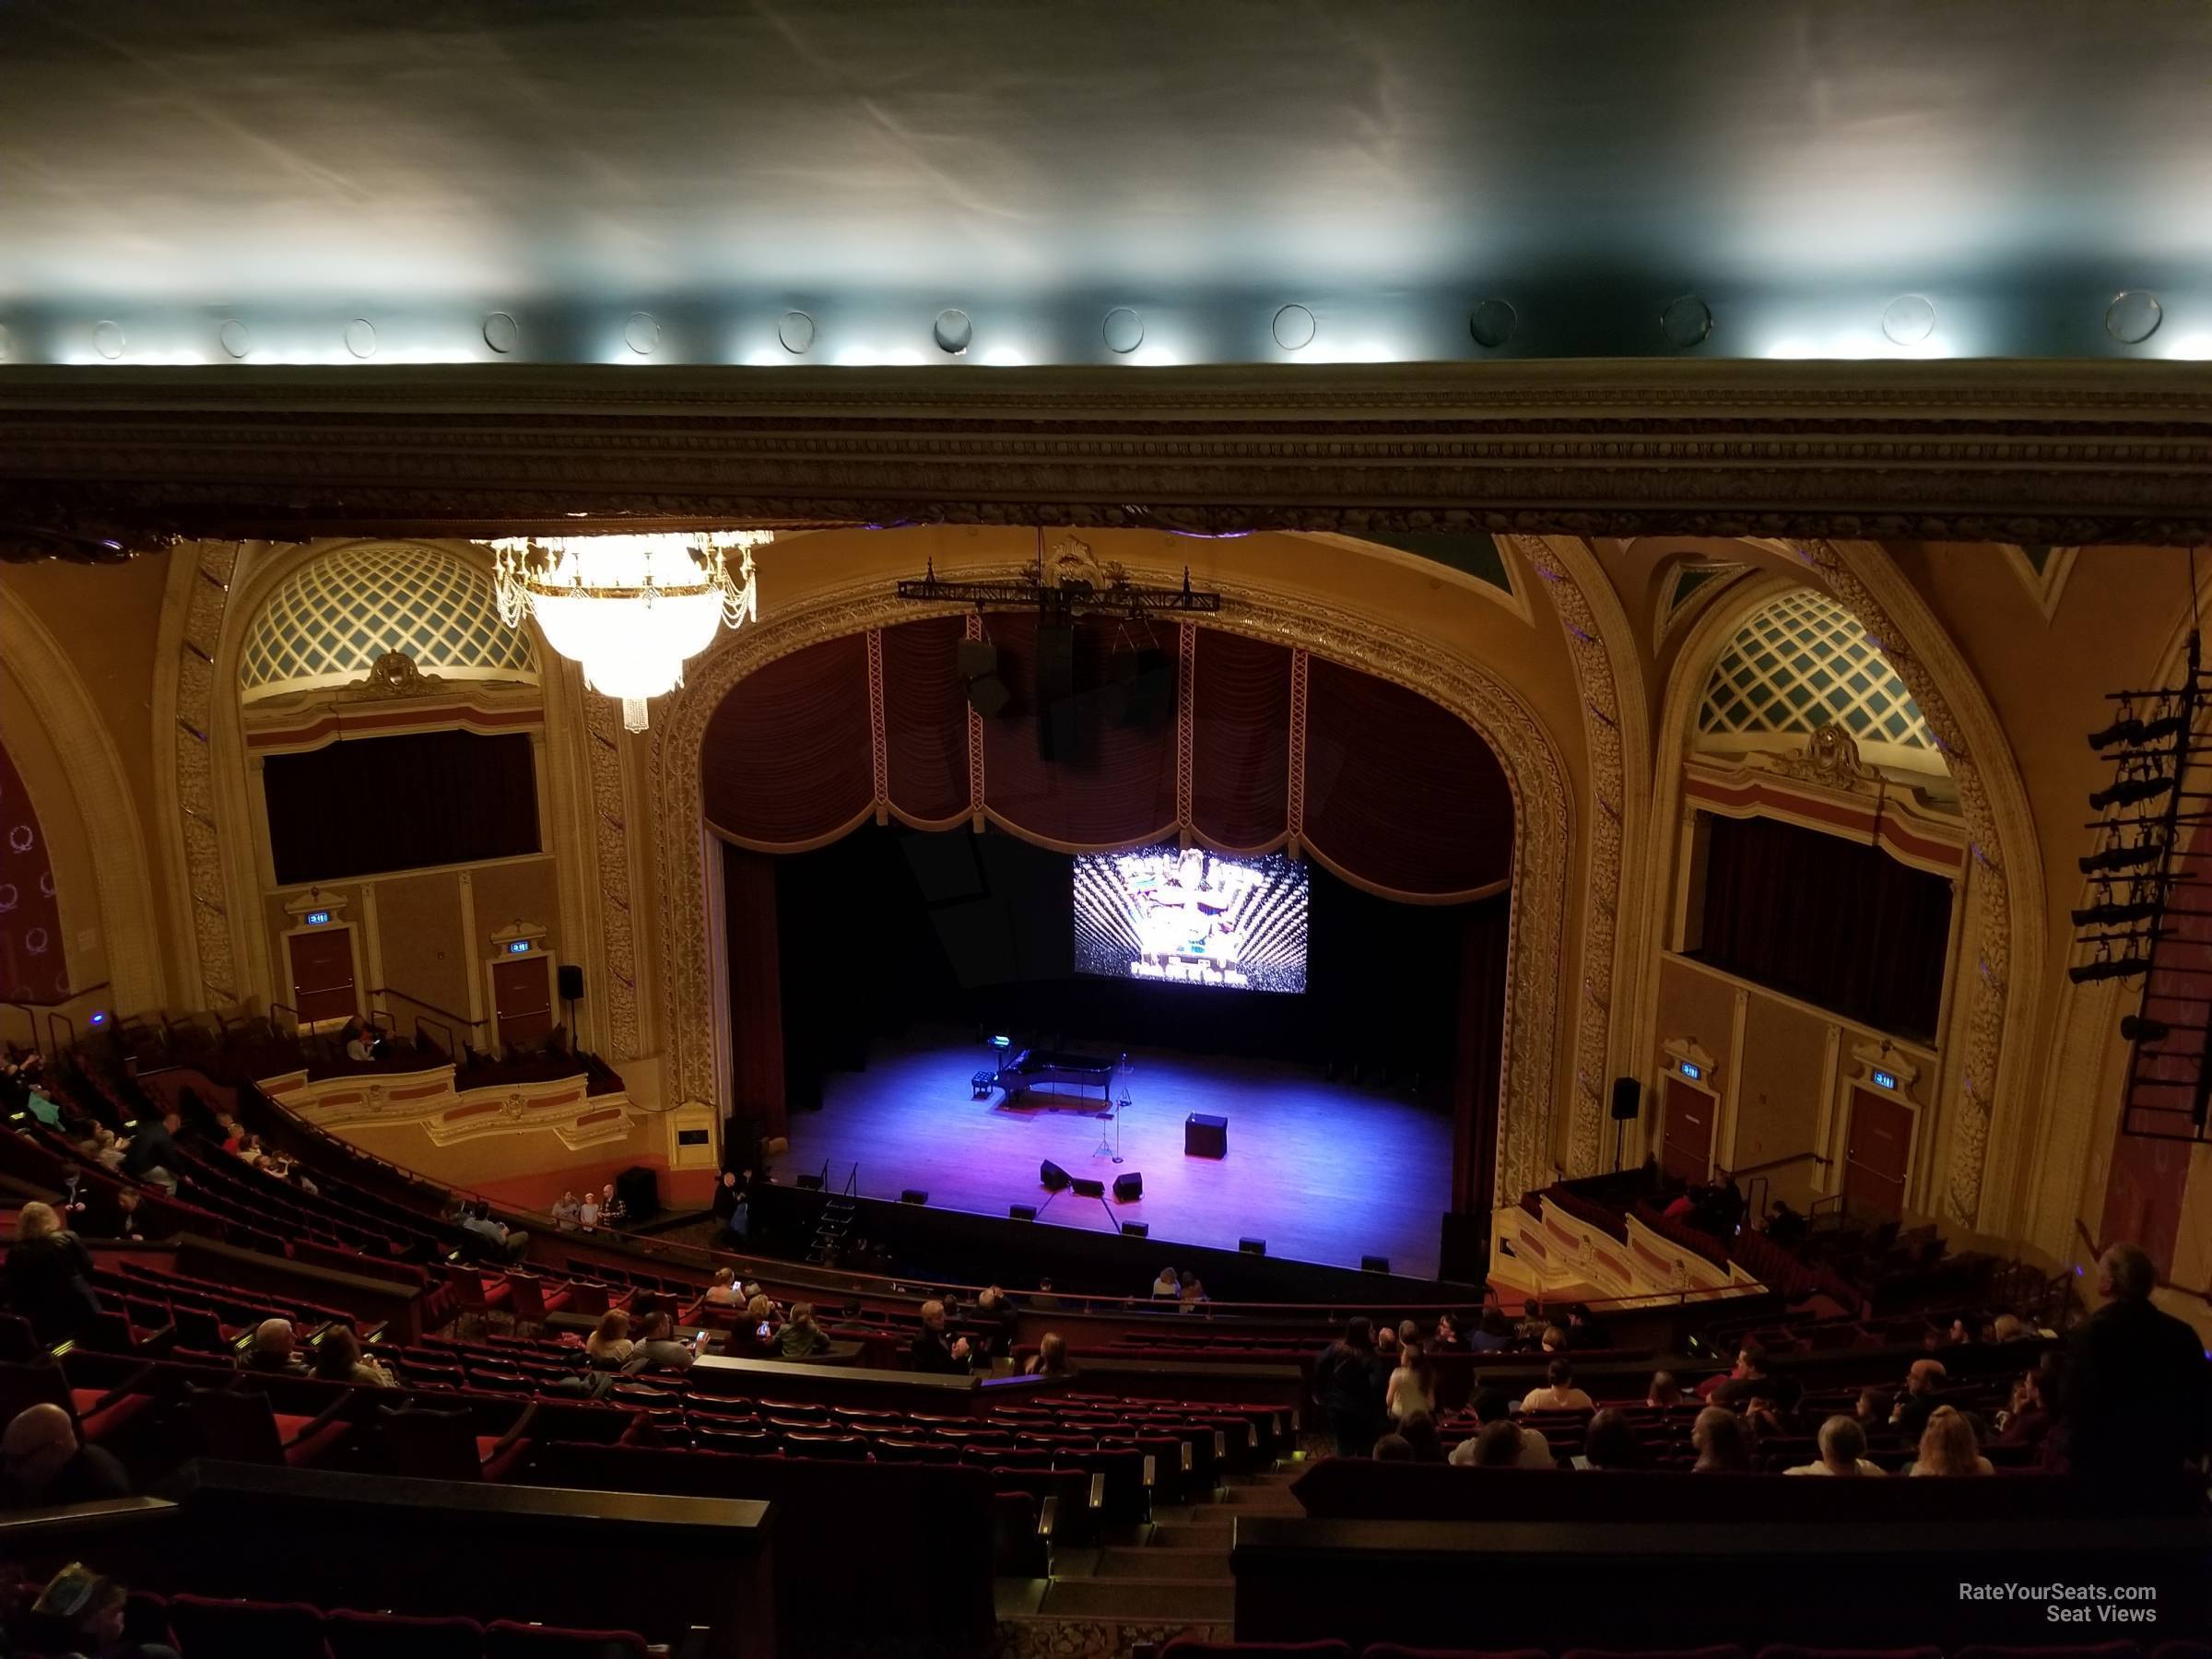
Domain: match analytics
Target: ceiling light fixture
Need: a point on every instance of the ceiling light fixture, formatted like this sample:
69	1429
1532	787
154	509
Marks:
630	610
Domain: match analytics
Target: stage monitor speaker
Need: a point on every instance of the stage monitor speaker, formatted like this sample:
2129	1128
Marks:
638	1188
1140	686
989	696
1085	1188
1129	1188
1463	1255
977	661
1374	1264
1021	1212
1205	1136
571	982
1056	722
1252	1246
1628	1100
1052	1174
913	1195
808	1184
975	658
1136	1229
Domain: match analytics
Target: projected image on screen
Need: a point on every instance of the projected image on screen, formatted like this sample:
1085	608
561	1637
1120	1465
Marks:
1184	916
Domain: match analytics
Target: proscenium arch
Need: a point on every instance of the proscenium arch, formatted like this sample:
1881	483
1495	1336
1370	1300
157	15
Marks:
692	960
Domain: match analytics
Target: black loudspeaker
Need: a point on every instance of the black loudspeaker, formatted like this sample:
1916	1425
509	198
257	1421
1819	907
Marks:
1129	1188
913	1195
638	1188
1136	1229
1056	725
1463	1255
1052	1174
1252	1246
1140	686
1021	1212
977	661
1628	1100
570	976
1090	1189
1374	1264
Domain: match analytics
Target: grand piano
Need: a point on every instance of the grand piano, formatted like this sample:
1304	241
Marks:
1057	1071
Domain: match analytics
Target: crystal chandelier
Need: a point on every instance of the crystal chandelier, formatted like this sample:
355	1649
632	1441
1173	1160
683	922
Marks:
630	610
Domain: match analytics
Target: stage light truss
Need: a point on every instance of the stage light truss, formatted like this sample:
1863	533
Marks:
1067	596
2151	908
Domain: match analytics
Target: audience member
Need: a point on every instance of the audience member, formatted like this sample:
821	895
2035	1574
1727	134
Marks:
1494	1411
1412	1385
1664	1391
994	1309
612	1210
1874	1407
568	1212
1555	1339
2028	1418
1491	1334
152	1151
45	1466
608	1346
1051	1358
1610	1442
802	1339
1910	1412
724	1292
1948	1446
1558	1393
587	1211
760	1312
1349	1388
338	1359
1168	1287
1417	1429
932	1349
1193	1292
81	1613
658	1350
48	1275
2007	1327
1498	1447
1842	1450
1044	1302
1394	1448
1743	1380
500	1242
1718	1437
1451	1334
2138	1388
274	1348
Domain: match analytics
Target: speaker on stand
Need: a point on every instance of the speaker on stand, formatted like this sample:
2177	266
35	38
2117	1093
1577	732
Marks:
1628	1106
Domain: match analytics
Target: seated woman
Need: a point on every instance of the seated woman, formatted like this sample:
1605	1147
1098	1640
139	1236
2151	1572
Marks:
1051	1358
1718	1435
723	1292
337	1359
802	1339
1948	1446
608	1346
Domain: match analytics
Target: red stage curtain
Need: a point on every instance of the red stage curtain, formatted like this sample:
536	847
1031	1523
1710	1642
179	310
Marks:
31	965
787	759
1475	1092
1400	793
748	896
372	803
1833	921
925	720
1116	787
1241	740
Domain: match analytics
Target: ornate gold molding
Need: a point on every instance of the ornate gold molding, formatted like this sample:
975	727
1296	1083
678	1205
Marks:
1997	451
698	1025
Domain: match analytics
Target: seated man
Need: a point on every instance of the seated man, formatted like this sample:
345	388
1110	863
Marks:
46	1467
1910	1412
658	1348
274	1348
1746	1378
1491	1410
1842	1450
932	1349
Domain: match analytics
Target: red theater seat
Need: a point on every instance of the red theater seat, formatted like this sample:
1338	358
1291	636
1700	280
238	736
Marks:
207	1629
1390	1650
2087	1650
1723	1651
244	1427
503	1639
1180	1649
398	1636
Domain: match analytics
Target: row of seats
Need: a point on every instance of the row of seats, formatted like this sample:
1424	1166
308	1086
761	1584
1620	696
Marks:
200	1627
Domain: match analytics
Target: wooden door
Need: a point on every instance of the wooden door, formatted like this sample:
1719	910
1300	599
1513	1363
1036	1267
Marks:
1879	1157
323	975
522	994
1687	1153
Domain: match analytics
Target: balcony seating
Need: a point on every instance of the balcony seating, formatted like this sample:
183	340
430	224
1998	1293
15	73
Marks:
504	1639
398	1636
245	1630
244	1426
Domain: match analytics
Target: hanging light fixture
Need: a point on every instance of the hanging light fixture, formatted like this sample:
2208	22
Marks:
630	609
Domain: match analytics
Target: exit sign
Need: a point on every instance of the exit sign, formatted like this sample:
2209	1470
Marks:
1692	1071
519	947
316	918
1883	1079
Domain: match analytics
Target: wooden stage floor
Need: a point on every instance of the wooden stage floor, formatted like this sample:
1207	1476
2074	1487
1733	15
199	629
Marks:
1324	1171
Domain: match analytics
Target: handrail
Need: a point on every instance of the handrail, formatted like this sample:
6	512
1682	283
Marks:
431	1006
1776	1163
27	1003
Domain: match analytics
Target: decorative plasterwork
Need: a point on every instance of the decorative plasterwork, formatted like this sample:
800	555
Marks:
1864	807
197	791
2006	873
2043	569
604	738
448	1116
1689	585
1678	1049
698	1023
2062	453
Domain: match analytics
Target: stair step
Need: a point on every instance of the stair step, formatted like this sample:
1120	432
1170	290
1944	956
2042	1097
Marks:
1246	1498
1193	1535
1131	1600
1159	1563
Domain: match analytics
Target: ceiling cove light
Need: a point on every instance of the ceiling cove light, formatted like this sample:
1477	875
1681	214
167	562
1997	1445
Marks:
361	337
1294	328
630	610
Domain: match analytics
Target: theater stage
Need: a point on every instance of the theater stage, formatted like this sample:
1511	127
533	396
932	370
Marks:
1324	1171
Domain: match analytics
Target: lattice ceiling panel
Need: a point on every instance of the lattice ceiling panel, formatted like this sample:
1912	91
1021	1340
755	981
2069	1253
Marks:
328	621
1802	662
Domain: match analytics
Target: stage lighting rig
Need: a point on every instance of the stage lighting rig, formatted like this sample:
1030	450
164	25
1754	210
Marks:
1070	582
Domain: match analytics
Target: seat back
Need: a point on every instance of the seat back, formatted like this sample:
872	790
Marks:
240	1428
429	1445
504	1639
398	1636
246	1630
